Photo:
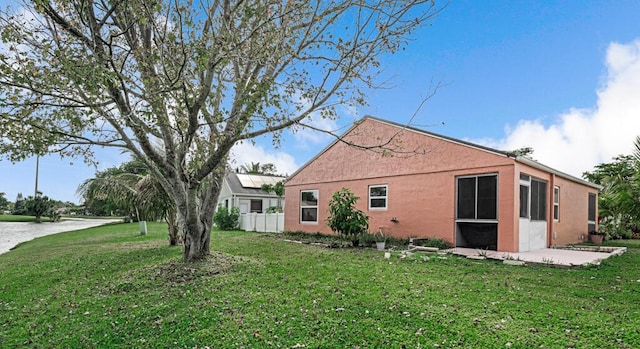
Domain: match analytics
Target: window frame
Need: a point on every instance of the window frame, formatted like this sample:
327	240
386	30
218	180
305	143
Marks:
302	207
385	197
592	211
525	201
253	203
556	203
476	199
539	214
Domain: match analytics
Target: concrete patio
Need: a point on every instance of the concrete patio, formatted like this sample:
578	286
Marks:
573	256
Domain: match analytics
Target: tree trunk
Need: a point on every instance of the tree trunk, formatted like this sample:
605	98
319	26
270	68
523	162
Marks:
191	227
195	217
172	224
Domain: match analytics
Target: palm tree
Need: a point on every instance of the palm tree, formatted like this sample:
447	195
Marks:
619	200
252	168
132	189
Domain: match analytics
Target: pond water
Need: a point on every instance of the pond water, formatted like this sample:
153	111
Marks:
13	233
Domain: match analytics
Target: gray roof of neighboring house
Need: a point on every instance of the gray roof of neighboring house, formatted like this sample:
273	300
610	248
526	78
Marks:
250	184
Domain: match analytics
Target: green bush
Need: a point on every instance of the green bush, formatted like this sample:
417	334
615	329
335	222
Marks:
433	242
227	220
344	218
54	215
274	209
38	206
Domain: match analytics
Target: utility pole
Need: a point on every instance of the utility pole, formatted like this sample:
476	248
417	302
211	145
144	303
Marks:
35	194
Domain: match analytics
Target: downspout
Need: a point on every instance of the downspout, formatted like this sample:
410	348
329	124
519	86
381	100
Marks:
550	208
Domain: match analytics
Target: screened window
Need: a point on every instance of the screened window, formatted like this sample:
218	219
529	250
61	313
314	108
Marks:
556	203
591	216
524	201
478	197
538	200
378	197
309	206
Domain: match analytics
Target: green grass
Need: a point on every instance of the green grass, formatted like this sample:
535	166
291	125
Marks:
14	218
110	287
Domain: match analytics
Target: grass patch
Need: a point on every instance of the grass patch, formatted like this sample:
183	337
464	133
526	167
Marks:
25	219
111	287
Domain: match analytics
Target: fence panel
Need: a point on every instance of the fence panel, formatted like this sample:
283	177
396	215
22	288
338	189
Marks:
262	222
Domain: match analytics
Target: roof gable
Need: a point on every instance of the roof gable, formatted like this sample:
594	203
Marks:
466	152
385	147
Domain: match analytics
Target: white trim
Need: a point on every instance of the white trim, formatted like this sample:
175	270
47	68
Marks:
556	219
316	206
385	197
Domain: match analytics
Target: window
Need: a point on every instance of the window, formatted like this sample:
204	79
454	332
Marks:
533	198
378	197
309	206
256	206
591	215
524	201
556	203
538	200
478	197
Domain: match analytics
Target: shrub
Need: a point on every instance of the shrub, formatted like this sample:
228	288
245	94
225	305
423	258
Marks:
38	206
54	215
433	242
344	218
225	219
274	209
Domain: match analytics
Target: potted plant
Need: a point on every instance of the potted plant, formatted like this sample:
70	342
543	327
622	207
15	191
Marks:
596	237
381	240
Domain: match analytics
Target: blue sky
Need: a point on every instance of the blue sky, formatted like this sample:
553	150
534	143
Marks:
560	76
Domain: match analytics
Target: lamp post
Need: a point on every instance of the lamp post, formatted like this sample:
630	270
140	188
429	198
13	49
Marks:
35	194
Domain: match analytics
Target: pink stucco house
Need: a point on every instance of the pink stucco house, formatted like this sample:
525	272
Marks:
414	183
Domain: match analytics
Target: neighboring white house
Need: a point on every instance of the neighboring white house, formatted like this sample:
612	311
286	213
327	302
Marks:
245	192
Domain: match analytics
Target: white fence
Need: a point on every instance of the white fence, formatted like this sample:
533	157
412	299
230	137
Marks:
262	222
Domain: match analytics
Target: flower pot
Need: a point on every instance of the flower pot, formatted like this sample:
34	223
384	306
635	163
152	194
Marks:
596	239
381	245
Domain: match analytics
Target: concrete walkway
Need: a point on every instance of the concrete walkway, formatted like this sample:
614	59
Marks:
13	233
547	256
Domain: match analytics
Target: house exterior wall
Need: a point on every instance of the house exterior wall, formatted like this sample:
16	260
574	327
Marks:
420	173
571	228
225	194
235	200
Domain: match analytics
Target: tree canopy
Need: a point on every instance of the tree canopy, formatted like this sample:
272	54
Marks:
178	83
619	200
4	203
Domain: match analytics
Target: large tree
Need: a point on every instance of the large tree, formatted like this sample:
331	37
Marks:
178	83
4	203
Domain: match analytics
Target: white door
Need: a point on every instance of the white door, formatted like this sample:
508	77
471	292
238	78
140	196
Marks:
244	206
532	230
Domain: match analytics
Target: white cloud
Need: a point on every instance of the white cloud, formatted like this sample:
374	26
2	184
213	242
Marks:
305	135
582	138
245	153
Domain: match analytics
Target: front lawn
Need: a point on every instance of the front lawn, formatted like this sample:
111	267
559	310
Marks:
110	287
